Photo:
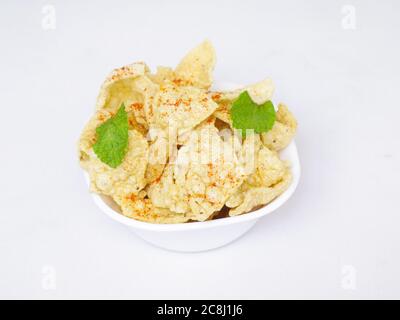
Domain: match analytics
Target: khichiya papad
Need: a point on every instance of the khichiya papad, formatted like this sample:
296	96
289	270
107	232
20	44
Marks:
167	148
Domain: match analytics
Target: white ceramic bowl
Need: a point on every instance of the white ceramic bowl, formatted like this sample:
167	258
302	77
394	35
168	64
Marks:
201	236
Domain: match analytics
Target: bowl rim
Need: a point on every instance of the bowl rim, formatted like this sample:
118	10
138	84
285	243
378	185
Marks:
293	157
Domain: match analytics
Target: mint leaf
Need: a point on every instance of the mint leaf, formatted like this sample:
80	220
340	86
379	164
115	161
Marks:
246	114
112	139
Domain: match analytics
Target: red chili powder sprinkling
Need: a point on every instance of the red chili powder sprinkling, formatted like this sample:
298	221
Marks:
157	180
180	101
136	106
216	96
177	82
131	197
210	167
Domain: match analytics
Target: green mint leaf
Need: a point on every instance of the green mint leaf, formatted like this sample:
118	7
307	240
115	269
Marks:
246	114
112	139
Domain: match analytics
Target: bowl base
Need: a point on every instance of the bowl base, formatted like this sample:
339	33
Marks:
196	240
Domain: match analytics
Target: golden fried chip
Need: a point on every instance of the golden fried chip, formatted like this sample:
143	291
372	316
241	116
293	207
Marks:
269	169
180	108
164	75
129	85
119	87
166	193
269	172
147	89
206	172
158	155
142	209
258	196
259	92
128	178
223	112
197	66
283	130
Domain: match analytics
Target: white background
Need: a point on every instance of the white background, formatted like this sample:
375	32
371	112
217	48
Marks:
343	85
